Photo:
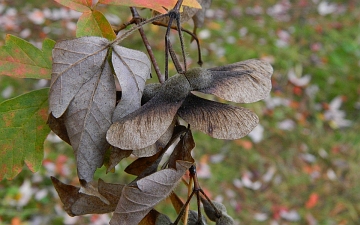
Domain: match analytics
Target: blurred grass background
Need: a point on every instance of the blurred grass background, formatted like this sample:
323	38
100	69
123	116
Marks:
299	166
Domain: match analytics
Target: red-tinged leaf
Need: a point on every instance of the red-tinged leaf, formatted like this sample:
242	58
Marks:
78	5
20	59
23	130
157	5
94	23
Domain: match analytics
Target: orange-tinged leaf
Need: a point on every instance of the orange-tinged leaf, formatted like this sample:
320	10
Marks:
191	3
23	130
20	59
94	23
78	5
157	5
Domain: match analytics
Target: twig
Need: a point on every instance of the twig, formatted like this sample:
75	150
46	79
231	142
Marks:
186	216
138	20
194	37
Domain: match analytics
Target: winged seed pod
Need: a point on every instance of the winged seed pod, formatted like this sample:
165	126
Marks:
225	219
210	211
163	220
193	218
242	82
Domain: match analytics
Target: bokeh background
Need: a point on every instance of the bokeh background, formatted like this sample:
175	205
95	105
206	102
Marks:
299	166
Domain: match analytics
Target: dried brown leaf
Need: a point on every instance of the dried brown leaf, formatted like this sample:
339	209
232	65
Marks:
76	203
218	120
116	155
87	120
182	150
148	164
151	218
82	86
132	69
75	62
146	125
136	202
57	125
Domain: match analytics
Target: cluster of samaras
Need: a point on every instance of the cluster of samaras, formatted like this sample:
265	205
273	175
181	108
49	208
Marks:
85	113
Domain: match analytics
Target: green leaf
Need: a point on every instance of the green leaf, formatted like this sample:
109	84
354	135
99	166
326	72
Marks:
20	59
94	23
78	5
23	130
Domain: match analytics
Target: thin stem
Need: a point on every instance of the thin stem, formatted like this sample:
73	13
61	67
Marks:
178	5
175	59
218	212
137	19
194	37
167	43
131	30
183	208
181	41
173	14
186	216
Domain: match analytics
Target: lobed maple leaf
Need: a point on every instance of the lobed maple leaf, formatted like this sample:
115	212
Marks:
94	23
20	59
23	131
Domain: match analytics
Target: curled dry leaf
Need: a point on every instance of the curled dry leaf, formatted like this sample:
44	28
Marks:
241	82
136	201
144	166
57	125
182	150
155	218
116	155
76	203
